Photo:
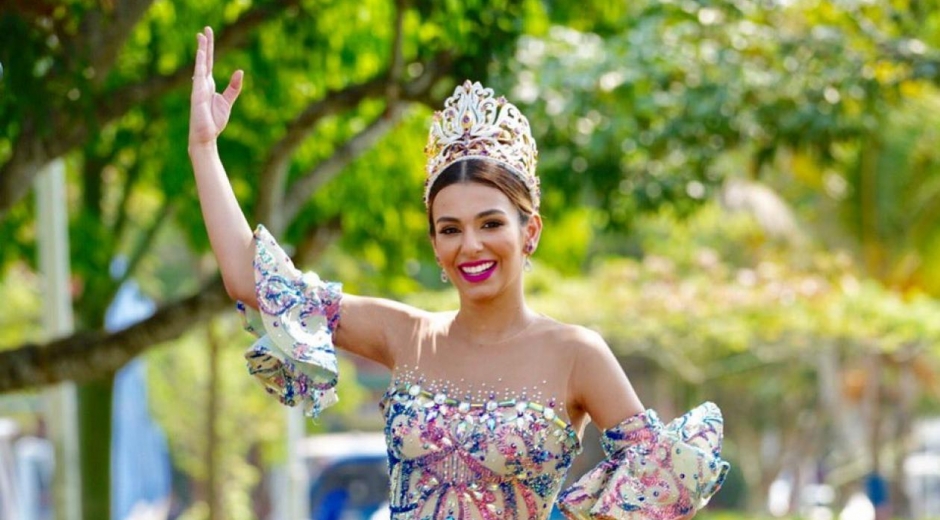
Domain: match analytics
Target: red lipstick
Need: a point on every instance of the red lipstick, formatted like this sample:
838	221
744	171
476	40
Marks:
476	272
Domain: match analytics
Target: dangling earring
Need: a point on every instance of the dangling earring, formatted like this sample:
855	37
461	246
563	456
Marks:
444	276
527	265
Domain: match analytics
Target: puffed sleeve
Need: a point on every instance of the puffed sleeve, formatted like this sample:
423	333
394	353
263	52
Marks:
293	358
652	470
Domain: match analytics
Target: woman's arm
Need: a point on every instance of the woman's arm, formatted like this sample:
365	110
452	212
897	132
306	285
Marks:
375	328
365	323
650	470
229	232
599	384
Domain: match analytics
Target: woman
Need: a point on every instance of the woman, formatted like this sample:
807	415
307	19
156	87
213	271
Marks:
488	402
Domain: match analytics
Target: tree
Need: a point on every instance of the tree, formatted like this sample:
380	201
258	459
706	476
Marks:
648	102
104	85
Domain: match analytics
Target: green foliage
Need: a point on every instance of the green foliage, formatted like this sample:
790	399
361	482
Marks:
377	205
21	292
642	111
650	108
178	378
249	420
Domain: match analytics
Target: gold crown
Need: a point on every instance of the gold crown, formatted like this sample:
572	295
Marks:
476	125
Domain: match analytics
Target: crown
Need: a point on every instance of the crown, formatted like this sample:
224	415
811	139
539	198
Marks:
476	125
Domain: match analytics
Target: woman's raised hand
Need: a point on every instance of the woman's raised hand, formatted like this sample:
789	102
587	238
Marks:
209	110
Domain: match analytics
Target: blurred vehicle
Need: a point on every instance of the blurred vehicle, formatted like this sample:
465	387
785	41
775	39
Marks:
348	475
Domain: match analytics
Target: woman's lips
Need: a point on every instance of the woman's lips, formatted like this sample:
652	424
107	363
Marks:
477	271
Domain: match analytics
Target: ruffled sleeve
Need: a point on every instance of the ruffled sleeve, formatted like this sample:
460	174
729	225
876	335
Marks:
294	357
652	470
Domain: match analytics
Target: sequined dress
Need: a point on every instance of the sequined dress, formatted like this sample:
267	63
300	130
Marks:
457	453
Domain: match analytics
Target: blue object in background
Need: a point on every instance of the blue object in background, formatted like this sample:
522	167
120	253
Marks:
876	487
140	460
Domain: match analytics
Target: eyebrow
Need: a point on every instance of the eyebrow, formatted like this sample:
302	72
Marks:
482	214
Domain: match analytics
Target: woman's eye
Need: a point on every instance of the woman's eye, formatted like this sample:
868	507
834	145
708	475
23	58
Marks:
492	224
448	231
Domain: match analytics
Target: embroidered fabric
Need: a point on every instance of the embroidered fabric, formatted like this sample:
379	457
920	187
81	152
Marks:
294	358
488	455
453	454
651	470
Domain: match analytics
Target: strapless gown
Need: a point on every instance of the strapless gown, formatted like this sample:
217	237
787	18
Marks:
458	454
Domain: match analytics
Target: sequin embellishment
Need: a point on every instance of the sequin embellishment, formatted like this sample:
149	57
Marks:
491	457
651	470
294	356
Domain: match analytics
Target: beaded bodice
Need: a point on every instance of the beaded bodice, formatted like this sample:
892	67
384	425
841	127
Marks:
478	455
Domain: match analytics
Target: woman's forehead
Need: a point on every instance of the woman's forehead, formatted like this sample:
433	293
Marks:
468	199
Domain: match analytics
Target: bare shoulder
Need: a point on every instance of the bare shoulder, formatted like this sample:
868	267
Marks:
574	347
376	328
574	339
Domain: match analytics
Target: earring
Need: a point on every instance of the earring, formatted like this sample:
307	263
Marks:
527	265
444	276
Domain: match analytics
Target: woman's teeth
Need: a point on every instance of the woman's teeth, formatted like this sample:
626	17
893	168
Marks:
477	269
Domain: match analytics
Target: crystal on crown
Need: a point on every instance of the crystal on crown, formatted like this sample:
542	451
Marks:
476	125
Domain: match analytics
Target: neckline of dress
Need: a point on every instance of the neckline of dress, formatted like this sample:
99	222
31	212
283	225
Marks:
415	391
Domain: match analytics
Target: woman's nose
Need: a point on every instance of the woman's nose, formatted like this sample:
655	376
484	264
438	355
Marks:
471	241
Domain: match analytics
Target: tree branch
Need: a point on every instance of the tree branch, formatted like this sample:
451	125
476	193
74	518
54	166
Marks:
31	149
397	57
17	173
229	37
417	89
303	188
87	356
133	174
146	241
273	185
103	33
274	171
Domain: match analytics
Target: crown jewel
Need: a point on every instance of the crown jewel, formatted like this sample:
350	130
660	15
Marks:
476	125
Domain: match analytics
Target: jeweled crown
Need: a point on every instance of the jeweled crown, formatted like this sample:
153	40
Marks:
476	125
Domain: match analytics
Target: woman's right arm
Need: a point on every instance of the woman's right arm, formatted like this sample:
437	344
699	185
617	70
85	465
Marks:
229	232
366	324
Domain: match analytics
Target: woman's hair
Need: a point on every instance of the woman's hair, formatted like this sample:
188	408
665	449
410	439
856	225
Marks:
487	173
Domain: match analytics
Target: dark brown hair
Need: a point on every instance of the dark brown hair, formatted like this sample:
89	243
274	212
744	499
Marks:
487	173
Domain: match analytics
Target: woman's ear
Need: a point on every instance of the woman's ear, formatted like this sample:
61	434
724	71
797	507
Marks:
533	230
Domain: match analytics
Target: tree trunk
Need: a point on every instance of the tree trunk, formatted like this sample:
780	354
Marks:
94	424
214	496
873	400
907	397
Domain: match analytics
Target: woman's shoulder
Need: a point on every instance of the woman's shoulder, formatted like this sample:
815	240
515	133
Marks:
571	337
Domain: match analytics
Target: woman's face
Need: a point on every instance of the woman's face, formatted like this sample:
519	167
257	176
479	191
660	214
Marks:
479	240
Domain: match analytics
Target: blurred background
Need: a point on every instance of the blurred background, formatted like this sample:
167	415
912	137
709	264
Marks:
741	196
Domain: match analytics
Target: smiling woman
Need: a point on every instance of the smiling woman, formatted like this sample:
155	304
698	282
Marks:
488	401
478	232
